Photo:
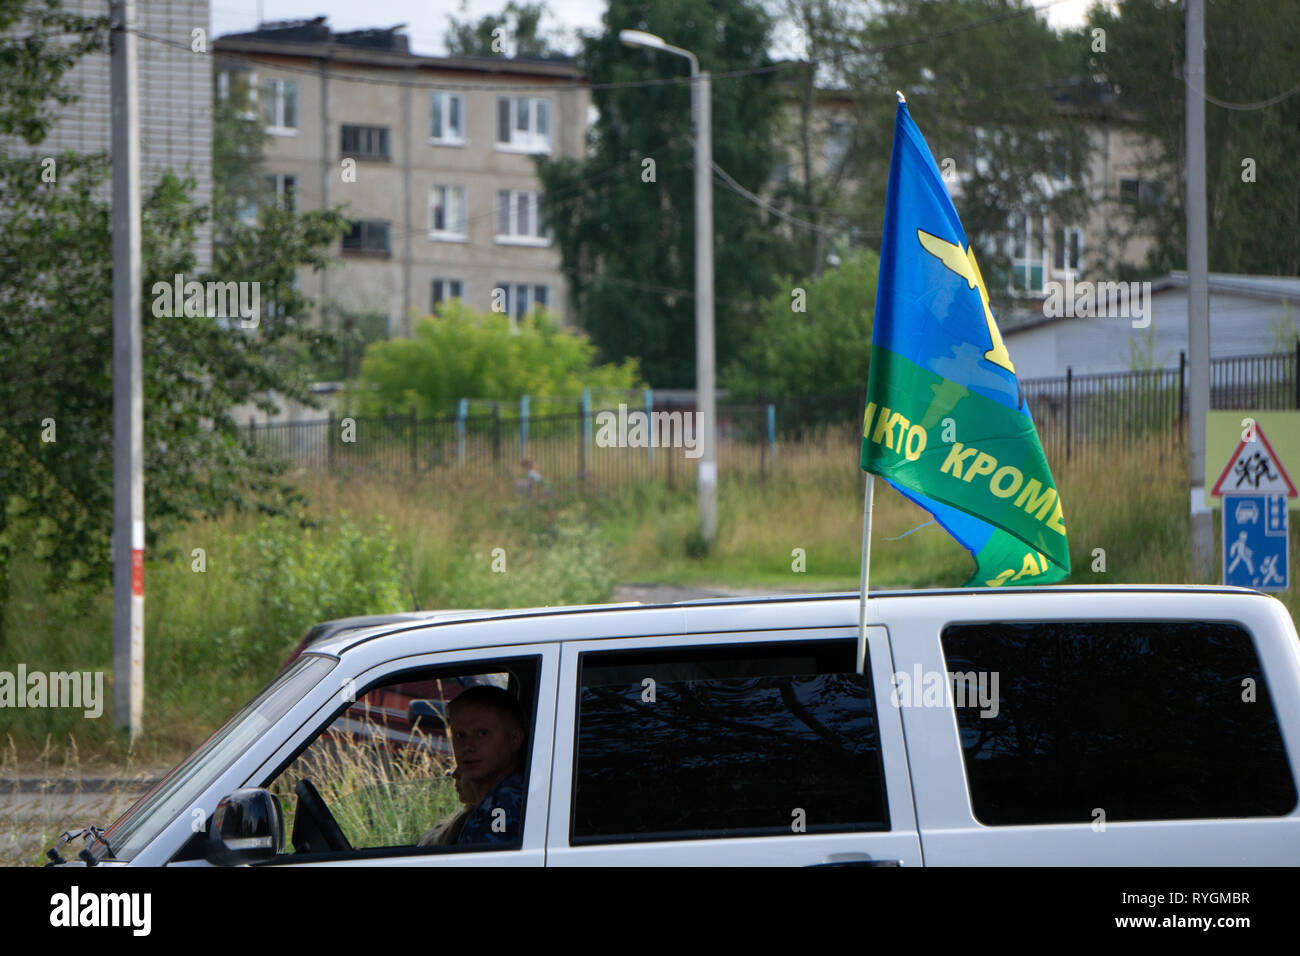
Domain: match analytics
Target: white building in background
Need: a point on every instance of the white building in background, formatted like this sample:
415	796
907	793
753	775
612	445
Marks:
1249	315
175	94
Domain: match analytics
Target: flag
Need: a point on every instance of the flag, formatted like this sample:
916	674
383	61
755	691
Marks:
946	423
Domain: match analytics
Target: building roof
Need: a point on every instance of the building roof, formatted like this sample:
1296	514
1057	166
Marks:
381	47
1268	288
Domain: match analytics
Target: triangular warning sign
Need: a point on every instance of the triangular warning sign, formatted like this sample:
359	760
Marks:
1253	469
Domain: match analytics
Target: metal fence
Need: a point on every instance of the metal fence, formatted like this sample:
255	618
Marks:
1077	417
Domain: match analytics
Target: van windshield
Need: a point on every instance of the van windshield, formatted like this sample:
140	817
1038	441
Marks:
177	791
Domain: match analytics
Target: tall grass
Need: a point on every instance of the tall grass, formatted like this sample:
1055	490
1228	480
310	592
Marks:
214	636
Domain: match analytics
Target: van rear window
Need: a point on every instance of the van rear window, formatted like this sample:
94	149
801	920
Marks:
1118	721
740	740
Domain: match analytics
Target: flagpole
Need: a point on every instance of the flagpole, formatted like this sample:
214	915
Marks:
862	582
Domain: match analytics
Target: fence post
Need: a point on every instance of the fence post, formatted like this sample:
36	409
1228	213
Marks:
582	443
462	412
1297	371
1182	395
668	458
523	426
586	420
329	441
771	429
250	430
1069	406
415	448
496	433
651	440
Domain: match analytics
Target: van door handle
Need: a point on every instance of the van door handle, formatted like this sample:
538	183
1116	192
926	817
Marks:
855	859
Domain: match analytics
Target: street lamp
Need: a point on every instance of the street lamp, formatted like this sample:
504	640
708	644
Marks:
704	355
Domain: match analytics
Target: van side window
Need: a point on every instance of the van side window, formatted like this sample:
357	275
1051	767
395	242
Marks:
1140	720
726	741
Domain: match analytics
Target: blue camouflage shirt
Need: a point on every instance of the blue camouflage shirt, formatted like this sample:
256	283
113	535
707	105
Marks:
508	795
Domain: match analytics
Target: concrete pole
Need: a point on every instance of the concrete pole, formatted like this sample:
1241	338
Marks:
701	106
128	396
1198	295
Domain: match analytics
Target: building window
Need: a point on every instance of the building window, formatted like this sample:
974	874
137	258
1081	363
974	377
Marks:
284	189
1140	192
524	123
241	86
368	237
519	218
521	298
365	142
837	143
1067	247
448	121
447	212
444	289
280	106
1026	255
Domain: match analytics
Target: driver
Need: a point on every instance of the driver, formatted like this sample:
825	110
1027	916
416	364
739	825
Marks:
487	738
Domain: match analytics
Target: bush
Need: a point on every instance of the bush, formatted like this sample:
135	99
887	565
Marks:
461	353
824	349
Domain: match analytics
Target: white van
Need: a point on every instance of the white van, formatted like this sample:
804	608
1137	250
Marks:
1066	725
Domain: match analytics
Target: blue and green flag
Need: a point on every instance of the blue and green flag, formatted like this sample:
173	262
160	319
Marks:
946	423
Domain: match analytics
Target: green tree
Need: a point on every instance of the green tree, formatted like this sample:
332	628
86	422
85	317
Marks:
461	353
624	218
515	31
56	478
814	336
984	80
1252	145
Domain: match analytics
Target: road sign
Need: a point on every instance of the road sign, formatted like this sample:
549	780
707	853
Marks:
1254	468
1255	541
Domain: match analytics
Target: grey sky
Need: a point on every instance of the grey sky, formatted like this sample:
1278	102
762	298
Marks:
426	21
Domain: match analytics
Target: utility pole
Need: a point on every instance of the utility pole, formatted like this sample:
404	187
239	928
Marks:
128	395
1198	293
705	397
704	339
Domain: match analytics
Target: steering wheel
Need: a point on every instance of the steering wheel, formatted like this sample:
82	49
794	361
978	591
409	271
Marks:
314	820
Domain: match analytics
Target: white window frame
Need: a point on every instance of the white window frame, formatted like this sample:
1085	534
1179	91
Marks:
448	137
443	193
524	293
529	203
526	139
447	293
278	183
277	127
1066	268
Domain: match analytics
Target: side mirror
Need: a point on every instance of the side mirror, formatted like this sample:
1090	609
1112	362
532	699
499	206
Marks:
247	827
430	718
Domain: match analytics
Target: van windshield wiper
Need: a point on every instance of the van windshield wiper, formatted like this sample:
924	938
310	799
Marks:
92	833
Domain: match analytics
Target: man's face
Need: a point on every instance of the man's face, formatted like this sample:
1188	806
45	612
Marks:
485	744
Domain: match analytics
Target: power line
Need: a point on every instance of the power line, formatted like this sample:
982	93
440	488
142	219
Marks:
1239	107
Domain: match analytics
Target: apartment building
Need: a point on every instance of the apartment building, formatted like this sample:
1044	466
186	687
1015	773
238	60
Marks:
175	100
432	158
1108	241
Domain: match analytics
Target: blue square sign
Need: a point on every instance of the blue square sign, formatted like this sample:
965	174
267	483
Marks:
1255	541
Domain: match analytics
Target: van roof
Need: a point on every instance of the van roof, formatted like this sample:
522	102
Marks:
380	626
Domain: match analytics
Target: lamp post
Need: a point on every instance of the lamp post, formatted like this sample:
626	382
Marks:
704	353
